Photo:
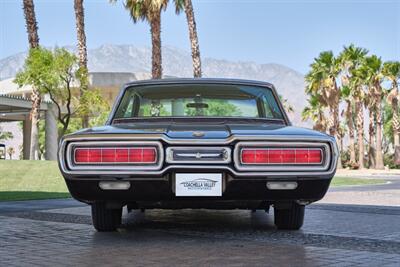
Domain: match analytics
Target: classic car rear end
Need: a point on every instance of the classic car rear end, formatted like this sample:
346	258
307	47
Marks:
198	143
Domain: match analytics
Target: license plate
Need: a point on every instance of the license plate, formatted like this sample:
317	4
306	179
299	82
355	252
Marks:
198	184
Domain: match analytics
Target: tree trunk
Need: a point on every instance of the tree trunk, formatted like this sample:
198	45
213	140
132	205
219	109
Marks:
80	30
360	133
352	146
156	59
31	24
81	36
194	41
341	142
349	116
396	126
396	123
334	105
379	154
35	113
334	131
33	38
371	140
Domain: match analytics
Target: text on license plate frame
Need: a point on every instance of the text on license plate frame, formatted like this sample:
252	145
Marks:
198	184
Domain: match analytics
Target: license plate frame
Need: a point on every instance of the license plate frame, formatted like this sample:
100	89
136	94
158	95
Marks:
198	184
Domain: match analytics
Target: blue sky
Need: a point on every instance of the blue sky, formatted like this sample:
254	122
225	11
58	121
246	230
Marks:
287	32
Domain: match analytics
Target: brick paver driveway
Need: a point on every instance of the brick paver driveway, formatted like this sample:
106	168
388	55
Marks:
58	232
387	193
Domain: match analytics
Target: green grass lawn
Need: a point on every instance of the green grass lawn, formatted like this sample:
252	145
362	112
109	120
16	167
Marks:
26	180
341	181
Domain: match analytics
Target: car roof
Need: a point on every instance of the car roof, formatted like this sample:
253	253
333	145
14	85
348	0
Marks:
199	80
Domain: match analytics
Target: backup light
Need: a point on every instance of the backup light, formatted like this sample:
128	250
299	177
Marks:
114	185
270	156
104	155
281	185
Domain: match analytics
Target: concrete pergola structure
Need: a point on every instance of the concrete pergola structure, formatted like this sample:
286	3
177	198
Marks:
14	108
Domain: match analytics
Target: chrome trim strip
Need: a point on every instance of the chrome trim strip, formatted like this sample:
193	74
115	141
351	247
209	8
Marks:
197	141
169	155
200	167
258	167
117	167
162	137
199	155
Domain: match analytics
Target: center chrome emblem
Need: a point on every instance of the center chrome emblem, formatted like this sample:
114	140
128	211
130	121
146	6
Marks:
198	134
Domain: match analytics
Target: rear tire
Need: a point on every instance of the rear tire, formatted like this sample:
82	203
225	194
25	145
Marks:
290	218
105	220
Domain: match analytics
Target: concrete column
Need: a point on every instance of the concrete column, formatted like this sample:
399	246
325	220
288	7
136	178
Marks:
26	133
51	133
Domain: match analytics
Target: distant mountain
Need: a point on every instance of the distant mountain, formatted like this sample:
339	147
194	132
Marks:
128	58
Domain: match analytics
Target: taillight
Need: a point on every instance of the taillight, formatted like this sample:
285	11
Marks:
278	156
104	155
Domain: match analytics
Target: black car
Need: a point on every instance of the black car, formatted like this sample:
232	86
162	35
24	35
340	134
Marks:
198	143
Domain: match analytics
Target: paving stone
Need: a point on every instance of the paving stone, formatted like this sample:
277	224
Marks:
331	236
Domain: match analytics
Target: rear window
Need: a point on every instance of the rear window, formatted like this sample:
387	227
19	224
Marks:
203	100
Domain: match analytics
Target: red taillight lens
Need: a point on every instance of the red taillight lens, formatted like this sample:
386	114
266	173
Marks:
116	155
281	156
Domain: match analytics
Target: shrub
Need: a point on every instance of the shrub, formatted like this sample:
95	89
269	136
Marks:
388	160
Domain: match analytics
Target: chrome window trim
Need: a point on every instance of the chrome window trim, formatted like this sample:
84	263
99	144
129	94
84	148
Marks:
117	166
191	81
267	144
161	137
169	155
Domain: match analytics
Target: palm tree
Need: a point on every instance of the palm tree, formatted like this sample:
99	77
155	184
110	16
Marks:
10	152
373	67
315	111
31	24
350	58
5	135
356	82
286	105
348	114
150	11
369	103
391	70
341	134
322	80
33	38
82	51
194	42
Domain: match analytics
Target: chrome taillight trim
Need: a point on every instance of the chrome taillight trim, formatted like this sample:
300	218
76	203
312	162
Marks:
109	163
280	164
170	159
161	137
114	166
326	156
